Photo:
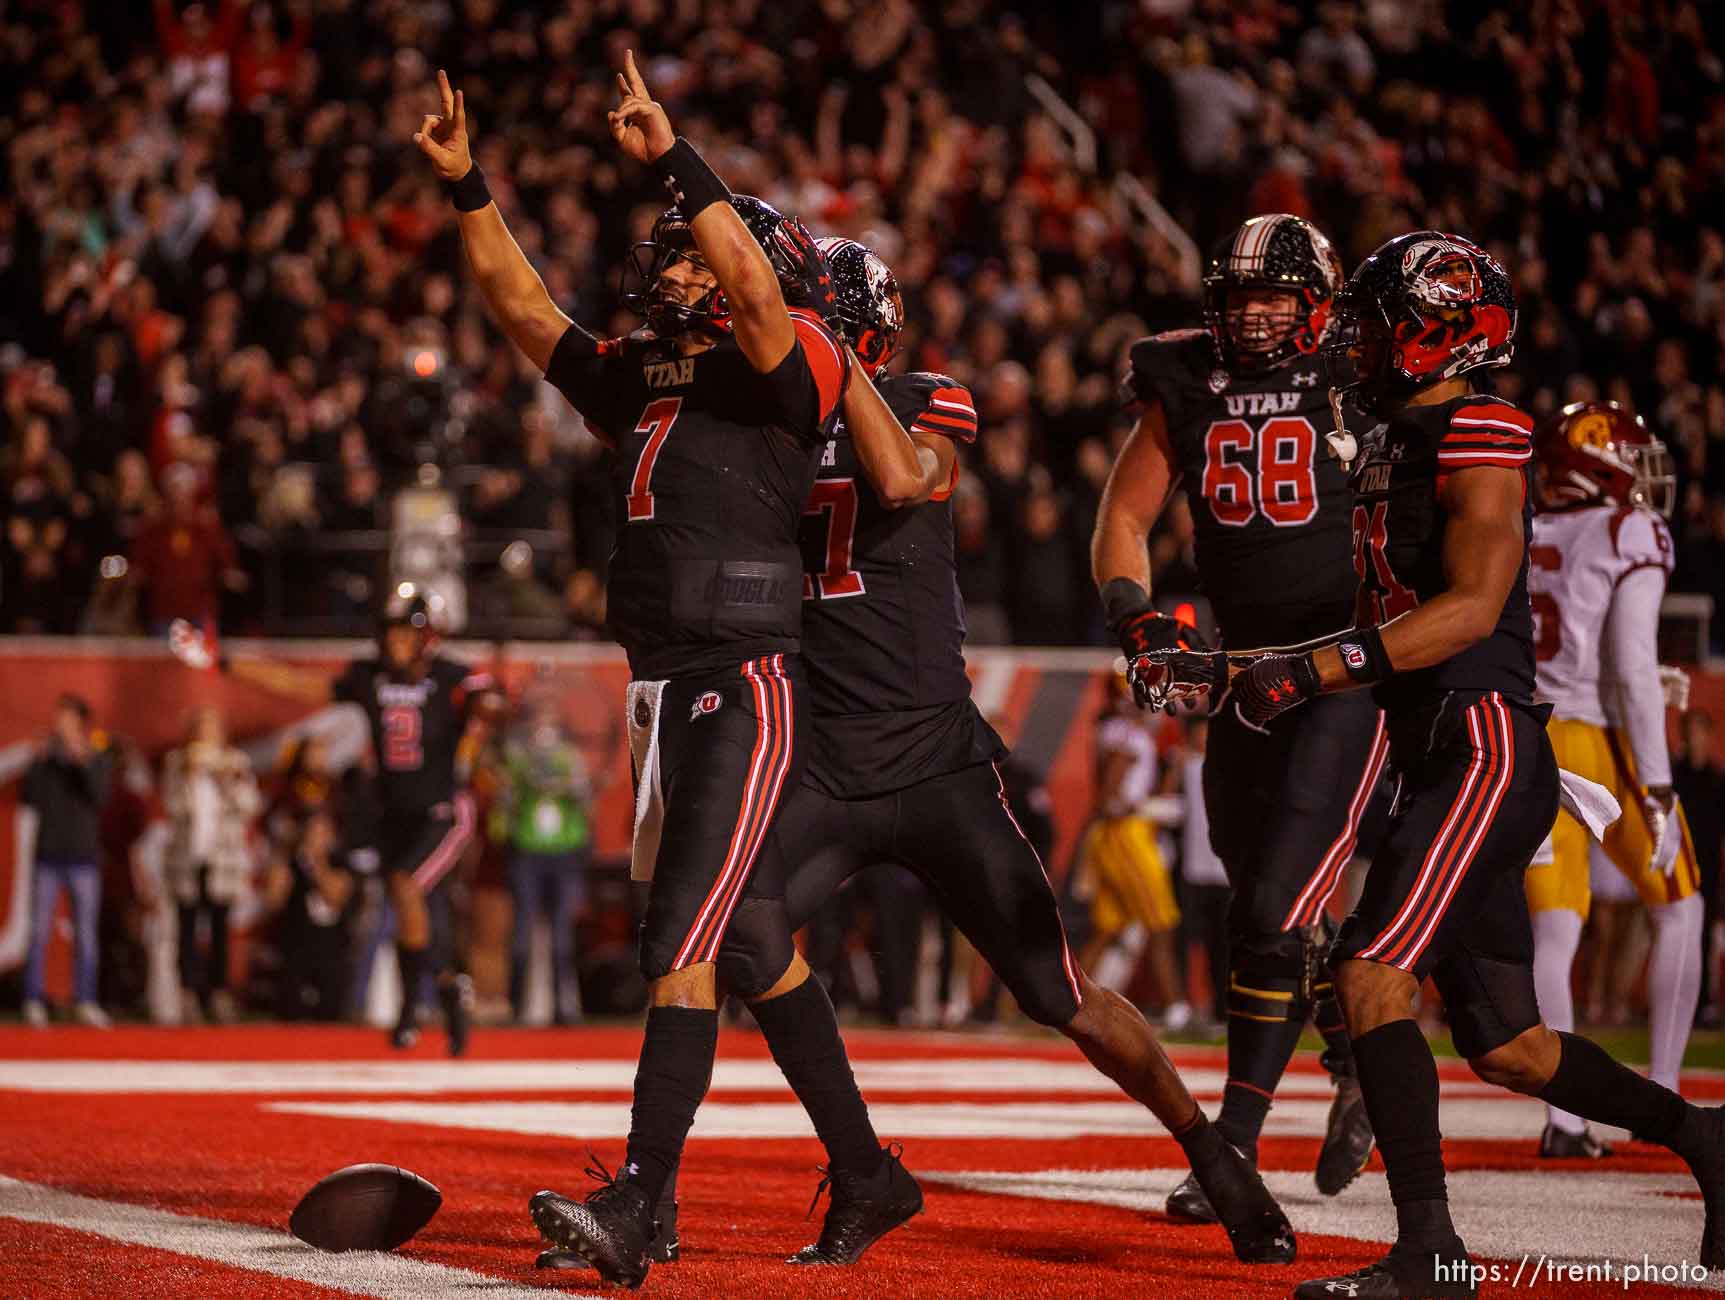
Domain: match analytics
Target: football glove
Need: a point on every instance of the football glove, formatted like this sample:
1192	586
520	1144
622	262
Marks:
1168	676
1660	806
188	643
1148	632
1272	685
1674	682
806	269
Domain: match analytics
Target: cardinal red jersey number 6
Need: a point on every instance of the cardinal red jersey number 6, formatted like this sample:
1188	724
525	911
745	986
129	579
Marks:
1284	489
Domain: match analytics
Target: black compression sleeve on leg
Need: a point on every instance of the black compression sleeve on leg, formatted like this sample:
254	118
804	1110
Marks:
1399	1081
670	1080
1589	1083
803	1035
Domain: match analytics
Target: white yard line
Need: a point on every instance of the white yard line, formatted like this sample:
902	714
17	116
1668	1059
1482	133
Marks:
260	1250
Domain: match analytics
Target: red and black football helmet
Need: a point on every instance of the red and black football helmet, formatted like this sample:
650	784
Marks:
1600	454
803	276
869	311
1279	253
1424	308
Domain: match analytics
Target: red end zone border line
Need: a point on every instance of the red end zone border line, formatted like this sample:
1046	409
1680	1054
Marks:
257	1250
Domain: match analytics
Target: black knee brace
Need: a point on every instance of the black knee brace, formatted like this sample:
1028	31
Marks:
757	949
1488	1002
1269	976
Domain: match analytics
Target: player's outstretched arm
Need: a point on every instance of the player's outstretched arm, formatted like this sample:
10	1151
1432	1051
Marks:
906	469
759	319
191	646
512	288
1482	552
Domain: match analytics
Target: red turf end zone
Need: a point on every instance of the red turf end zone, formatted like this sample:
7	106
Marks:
228	1156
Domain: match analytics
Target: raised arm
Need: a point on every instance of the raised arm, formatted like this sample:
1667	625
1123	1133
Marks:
512	288
759	318
906	469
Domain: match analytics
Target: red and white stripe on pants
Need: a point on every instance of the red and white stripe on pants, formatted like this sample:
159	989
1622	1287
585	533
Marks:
448	851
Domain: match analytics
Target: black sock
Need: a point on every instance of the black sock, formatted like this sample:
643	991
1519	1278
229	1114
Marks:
1261	1042
670	1080
1399	1081
410	962
1587	1082
803	1035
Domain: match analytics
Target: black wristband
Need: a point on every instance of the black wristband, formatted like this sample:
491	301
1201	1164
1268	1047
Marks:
694	186
1121	599
1364	657
470	193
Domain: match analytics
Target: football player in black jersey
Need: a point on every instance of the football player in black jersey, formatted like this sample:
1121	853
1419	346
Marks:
1445	639
717	413
1233	412
902	767
418	705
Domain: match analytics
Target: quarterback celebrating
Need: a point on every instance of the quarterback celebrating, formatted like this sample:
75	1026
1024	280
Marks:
1441	524
717	412
1234	411
1601	554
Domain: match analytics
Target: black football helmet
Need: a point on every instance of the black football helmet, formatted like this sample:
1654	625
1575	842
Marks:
410	605
1424	308
802	272
1280	253
869	310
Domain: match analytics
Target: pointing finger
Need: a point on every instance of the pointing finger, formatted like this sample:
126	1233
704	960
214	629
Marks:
448	95
635	83
460	111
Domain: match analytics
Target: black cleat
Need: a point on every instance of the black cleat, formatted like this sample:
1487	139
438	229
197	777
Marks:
1701	1143
1348	1139
1401	1273
611	1230
665	1248
458	1001
405	1034
1257	1228
1188	1203
862	1211
1560	1144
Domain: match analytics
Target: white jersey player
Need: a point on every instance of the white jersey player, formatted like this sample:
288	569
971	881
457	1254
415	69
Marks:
1598	563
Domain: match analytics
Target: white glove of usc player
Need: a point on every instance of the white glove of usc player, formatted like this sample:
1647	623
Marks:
1667	834
1675	683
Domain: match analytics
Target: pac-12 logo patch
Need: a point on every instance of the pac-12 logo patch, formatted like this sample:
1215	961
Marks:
1353	655
708	702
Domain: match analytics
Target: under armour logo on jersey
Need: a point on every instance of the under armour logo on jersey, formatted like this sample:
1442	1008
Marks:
1305	379
708	702
669	374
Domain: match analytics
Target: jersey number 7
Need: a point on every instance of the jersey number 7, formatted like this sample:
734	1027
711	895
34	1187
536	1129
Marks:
836	498
656	422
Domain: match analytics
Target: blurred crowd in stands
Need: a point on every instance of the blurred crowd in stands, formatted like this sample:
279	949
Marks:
233	316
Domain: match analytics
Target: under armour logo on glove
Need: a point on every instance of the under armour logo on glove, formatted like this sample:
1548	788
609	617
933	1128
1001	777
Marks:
1271	685
805	267
1147	633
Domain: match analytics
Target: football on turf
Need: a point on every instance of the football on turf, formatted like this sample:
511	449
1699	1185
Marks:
364	1207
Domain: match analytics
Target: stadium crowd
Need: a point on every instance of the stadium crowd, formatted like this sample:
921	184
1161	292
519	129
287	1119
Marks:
233	317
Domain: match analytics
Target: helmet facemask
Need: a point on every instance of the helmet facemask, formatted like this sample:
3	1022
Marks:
661	298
